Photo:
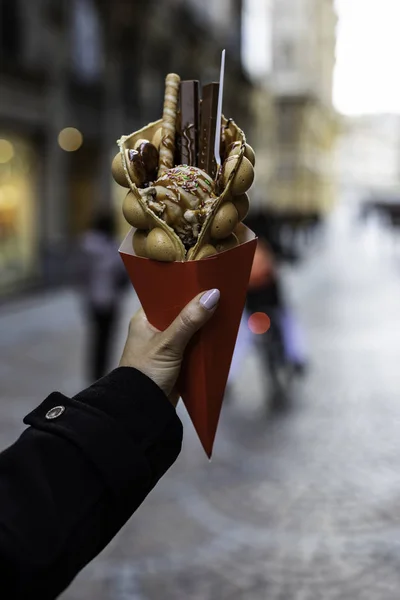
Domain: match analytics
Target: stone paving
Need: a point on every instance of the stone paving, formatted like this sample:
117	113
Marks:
305	506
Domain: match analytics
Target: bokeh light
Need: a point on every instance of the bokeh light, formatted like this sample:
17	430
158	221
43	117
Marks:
8	197
70	139
6	151
259	323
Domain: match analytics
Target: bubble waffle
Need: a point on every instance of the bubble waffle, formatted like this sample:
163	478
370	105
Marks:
181	212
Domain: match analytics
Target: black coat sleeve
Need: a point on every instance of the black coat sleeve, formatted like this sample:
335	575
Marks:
68	484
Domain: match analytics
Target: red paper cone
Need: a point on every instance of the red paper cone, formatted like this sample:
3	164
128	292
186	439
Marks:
165	288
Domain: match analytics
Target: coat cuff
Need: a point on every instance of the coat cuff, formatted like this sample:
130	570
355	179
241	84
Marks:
134	400
116	423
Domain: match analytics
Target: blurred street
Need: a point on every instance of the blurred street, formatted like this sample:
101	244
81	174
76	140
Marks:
305	506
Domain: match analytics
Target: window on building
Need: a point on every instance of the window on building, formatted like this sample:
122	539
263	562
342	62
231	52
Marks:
19	217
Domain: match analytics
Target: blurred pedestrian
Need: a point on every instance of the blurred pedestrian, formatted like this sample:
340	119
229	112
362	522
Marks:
283	345
102	279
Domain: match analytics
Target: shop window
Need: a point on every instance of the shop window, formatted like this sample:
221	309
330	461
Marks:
18	213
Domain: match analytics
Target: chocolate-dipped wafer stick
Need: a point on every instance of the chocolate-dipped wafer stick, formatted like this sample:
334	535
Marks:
167	146
208	121
189	122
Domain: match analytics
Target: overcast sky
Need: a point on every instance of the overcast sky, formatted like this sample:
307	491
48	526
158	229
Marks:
367	77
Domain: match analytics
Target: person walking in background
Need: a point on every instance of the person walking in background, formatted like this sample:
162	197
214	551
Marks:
102	278
282	346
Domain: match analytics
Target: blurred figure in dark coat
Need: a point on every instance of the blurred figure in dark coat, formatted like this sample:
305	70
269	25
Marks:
102	279
283	345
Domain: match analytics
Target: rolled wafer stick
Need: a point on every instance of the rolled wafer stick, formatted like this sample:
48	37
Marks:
167	146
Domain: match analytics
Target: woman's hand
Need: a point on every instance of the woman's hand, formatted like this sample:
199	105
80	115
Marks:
159	354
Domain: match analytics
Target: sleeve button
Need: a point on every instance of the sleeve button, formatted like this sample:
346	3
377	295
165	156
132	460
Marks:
55	412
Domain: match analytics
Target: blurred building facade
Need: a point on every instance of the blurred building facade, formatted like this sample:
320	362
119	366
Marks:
257	29
304	34
50	79
99	68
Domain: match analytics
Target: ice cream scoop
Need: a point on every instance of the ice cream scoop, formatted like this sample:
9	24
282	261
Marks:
182	197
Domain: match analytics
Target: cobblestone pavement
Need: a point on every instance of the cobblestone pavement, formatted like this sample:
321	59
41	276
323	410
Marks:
302	507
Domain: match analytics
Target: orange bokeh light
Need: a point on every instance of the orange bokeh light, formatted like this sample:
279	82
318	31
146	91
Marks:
259	323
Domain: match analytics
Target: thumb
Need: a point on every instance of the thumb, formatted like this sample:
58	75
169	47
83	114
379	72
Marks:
191	319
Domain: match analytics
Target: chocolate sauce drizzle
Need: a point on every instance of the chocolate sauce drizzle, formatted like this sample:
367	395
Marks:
190	143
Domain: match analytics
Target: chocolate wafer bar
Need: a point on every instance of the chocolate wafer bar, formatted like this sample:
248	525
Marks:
208	122
189	122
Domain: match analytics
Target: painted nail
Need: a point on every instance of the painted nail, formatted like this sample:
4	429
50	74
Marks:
210	299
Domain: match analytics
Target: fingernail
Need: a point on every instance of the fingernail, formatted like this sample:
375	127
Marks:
210	299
